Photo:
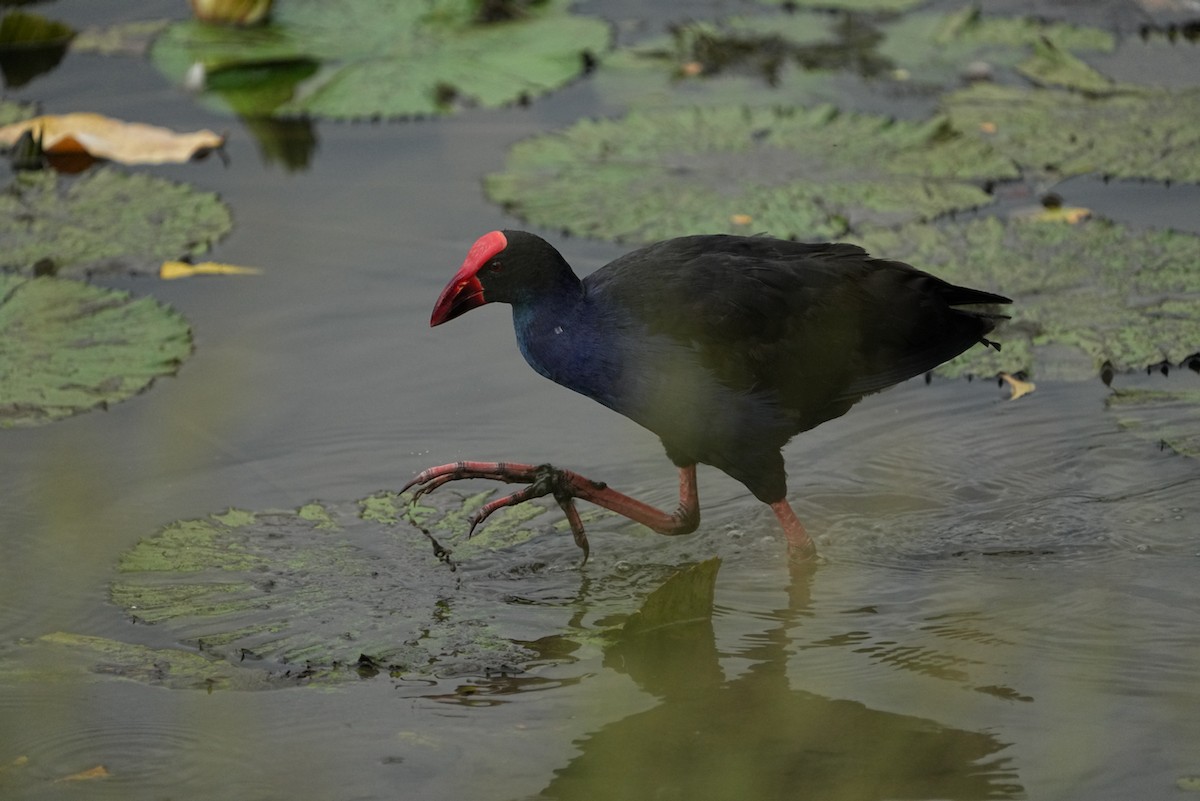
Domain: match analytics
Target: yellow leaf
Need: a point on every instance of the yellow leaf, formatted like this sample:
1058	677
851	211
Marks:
741	219
1020	388
1070	215
19	762
105	138
181	269
98	772
988	127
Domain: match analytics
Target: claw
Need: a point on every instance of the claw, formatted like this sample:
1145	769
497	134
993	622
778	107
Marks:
542	480
565	486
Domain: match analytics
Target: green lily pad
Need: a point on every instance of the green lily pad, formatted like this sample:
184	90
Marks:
1171	417
381	58
329	588
1149	133
105	221
67	347
805	173
1100	290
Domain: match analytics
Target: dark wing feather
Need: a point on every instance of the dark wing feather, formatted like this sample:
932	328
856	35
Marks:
817	325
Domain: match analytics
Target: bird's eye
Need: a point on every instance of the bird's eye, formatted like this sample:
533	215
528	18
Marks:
494	266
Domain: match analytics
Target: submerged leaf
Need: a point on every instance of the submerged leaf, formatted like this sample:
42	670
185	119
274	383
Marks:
806	173
66	347
937	48
1099	289
104	221
381	58
97	772
105	138
121	39
1171	417
806	57
855	5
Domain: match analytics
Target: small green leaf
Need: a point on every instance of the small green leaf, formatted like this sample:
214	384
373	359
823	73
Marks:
67	347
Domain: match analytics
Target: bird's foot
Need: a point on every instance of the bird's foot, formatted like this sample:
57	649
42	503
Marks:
542	480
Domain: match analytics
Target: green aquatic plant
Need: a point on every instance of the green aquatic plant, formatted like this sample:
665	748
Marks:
376	58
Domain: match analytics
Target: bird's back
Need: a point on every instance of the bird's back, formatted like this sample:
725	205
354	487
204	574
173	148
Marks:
816	326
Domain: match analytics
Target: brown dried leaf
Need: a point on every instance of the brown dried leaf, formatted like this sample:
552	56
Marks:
98	772
1020	387
107	138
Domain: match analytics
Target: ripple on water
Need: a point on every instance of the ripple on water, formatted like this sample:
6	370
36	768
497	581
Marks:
955	478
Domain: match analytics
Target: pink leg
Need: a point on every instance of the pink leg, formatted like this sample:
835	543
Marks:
800	545
565	486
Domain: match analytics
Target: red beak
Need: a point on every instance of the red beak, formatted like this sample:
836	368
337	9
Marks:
463	293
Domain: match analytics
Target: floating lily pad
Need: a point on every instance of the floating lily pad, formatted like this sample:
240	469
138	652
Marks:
105	221
1098	289
382	58
330	588
67	347
805	173
1129	134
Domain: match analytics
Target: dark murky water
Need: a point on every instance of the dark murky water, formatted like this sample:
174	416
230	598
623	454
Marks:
1006	608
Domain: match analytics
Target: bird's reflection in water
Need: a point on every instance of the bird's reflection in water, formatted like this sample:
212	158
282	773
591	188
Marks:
754	736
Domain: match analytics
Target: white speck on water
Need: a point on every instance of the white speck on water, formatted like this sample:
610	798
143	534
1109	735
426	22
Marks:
558	329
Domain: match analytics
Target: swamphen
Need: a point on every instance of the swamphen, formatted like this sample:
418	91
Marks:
724	346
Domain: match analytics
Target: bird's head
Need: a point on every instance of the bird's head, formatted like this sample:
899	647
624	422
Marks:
503	266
